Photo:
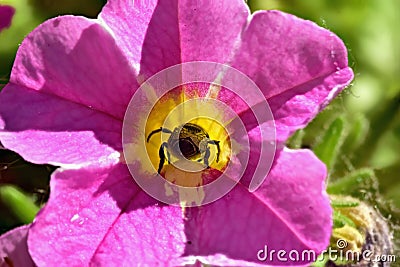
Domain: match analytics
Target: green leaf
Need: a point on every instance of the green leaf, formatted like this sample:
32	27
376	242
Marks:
329	146
358	132
321	260
343	204
295	141
394	194
396	131
340	220
354	183
19	203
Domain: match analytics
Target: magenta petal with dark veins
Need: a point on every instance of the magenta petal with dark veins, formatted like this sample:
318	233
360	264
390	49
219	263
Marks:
296	107
280	51
53	130
14	249
299	66
102	216
111	221
158	34
290	211
76	59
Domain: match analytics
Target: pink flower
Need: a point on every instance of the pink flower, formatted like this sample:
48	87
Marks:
6	14
69	89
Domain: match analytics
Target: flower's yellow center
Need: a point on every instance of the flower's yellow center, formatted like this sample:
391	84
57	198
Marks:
172	112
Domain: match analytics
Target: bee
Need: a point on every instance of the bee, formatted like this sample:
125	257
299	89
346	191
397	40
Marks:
189	141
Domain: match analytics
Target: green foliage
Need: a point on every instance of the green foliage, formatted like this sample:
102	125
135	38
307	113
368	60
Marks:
344	204
355	183
22	205
295	141
340	220
357	132
329	145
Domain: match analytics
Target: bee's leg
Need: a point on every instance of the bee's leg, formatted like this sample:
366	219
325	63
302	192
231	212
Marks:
162	156
168	155
215	142
161	129
207	156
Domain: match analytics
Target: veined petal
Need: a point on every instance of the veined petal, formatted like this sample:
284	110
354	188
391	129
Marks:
76	59
295	108
109	219
298	66
280	51
147	234
290	211
158	34
45	129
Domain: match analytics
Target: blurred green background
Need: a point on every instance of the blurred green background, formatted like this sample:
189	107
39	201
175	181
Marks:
357	136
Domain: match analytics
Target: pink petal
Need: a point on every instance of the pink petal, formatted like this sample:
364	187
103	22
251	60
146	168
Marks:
295	189
53	130
289	211
261	155
101	215
104	219
295	108
158	34
298	66
14	249
280	51
147	234
76	59
6	14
